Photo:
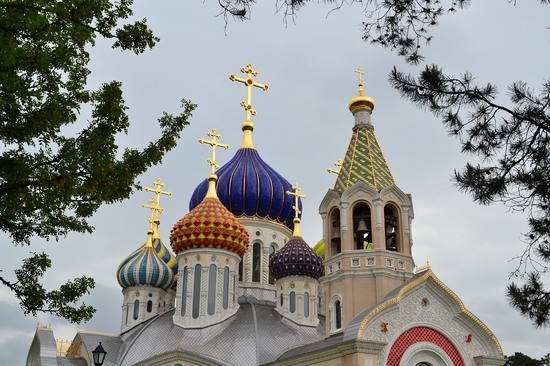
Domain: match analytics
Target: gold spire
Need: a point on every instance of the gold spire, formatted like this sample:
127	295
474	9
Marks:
248	125
361	100
297	211
337	164
213	178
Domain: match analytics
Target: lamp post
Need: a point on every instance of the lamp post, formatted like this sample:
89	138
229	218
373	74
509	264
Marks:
99	355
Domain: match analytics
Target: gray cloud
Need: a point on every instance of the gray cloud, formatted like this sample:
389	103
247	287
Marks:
303	125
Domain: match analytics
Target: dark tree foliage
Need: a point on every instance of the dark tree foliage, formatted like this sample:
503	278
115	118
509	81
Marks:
519	359
401	25
56	168
513	144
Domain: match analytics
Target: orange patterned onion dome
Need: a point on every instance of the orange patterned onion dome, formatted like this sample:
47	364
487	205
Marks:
209	225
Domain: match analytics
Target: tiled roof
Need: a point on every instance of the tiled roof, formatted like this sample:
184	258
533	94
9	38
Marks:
256	335
365	162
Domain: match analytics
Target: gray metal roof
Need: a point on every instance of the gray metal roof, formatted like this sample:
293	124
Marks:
71	361
255	335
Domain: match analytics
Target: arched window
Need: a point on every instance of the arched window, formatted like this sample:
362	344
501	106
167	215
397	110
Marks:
256	262
338	314
272	250
391	227
149	306
197	292
212	279
241	269
362	226
292	306
335	235
136	309
226	287
306	305
184	291
234	288
281	299
127	311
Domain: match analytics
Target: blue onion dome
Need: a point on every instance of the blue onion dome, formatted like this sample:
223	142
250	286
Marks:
249	187
296	258
144	267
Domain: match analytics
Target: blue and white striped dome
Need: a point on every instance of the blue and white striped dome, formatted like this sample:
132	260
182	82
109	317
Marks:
144	267
248	187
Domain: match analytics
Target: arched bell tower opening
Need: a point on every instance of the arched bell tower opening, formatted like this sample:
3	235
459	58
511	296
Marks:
334	232
362	226
367	223
392	228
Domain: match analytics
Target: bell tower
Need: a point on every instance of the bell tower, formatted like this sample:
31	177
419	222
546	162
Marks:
366	225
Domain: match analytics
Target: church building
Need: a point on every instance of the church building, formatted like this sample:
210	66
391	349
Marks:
236	284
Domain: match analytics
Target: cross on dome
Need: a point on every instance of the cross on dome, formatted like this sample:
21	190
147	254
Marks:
297	196
248	125
214	143
360	74
154	206
337	164
156	201
213	178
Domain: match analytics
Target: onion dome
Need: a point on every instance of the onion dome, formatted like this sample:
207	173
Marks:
296	258
249	187
145	268
210	224
361	100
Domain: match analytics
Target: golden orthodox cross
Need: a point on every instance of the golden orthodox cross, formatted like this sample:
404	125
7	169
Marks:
214	143
155	210
338	164
361	73
249	83
156	201
297	196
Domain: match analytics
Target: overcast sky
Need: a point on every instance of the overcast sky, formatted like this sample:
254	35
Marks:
303	125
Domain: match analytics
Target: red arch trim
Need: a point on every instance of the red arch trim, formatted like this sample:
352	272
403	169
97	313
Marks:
422	334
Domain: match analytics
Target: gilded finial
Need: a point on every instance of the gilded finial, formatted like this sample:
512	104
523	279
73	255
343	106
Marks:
297	212
361	100
337	164
213	178
248	125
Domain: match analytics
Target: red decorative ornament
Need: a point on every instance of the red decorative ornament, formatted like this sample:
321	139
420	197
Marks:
384	327
468	338
209	225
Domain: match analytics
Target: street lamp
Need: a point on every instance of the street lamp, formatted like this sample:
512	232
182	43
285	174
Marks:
99	355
